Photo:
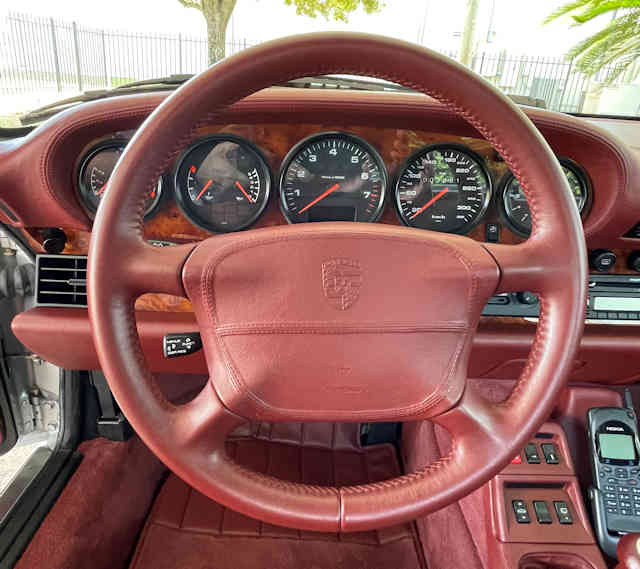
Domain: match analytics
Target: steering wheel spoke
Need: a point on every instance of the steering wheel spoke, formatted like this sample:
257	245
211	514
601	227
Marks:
203	423
475	423
532	265
155	269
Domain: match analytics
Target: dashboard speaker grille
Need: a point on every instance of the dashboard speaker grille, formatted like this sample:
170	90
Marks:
61	280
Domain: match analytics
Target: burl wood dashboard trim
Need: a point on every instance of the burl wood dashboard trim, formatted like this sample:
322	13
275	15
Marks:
37	172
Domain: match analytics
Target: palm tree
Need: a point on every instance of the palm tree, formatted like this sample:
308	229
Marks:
617	44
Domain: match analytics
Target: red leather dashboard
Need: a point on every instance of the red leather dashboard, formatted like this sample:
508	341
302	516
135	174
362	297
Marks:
38	186
37	173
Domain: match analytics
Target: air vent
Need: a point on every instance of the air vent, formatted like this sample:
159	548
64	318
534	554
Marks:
61	280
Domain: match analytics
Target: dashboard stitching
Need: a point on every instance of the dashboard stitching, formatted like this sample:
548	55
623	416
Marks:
331	328
45	162
621	164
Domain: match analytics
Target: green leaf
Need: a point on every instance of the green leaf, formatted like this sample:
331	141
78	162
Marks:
595	10
565	9
615	48
333	9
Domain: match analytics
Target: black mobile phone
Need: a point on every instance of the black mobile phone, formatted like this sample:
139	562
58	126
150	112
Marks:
615	463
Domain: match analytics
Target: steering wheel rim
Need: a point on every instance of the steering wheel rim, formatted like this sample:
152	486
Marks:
190	438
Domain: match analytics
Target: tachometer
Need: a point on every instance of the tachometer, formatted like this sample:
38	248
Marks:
223	183
96	170
332	177
443	188
515	206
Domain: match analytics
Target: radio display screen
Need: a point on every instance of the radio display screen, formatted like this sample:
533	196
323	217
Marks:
616	303
617	447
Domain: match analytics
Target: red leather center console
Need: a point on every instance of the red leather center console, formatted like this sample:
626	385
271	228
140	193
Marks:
538	517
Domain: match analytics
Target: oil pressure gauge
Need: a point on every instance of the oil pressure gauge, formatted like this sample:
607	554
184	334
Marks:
223	183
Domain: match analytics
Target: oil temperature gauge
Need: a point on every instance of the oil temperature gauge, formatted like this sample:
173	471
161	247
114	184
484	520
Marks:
223	183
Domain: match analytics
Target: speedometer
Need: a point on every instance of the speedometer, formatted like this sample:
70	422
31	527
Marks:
443	188
332	177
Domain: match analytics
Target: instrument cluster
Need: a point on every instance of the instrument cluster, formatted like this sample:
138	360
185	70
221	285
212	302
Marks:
223	183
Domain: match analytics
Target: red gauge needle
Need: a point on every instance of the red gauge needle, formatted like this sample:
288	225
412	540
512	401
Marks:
430	202
320	197
206	187
246	195
102	189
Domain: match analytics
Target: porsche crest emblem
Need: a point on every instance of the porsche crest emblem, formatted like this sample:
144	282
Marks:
341	282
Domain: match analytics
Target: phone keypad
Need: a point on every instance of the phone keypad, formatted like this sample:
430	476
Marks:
619	497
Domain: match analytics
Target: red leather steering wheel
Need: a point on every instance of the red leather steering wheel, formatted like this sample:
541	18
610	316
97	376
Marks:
278	350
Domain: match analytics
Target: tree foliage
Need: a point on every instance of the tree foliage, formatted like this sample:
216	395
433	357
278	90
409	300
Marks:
617	44
338	10
217	13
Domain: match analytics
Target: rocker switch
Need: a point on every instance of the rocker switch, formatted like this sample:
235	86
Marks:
542	512
550	453
531	454
562	510
521	511
176	345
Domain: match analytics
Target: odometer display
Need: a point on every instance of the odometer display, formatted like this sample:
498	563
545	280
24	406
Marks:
443	188
332	177
516	207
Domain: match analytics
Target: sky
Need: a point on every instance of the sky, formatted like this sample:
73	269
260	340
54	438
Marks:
516	24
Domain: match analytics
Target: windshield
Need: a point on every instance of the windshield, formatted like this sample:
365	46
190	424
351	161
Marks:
582	57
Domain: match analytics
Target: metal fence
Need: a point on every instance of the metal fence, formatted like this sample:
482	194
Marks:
50	59
555	81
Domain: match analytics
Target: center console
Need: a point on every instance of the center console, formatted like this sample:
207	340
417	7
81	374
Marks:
538	510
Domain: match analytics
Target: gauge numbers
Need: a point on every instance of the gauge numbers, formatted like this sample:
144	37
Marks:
332	177
223	183
516	207
443	188
95	172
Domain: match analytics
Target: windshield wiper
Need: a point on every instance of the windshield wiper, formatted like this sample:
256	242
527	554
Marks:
145	85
